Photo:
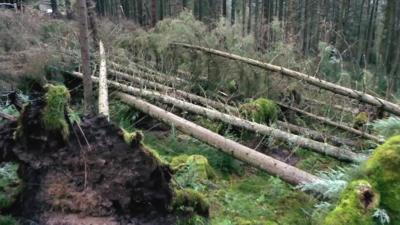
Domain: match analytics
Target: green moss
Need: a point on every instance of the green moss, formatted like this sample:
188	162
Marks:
261	110
128	136
192	171
189	199
361	119
8	220
57	99
356	205
382	170
10	185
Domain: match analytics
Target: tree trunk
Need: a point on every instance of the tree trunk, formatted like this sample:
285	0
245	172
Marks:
339	153
233	12
84	43
153	12
363	97
332	123
284	171
103	89
91	14
54	8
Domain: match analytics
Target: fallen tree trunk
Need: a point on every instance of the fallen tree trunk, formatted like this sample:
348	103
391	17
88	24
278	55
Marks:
339	153
7	117
334	106
179	93
149	74
332	123
275	167
363	97
315	135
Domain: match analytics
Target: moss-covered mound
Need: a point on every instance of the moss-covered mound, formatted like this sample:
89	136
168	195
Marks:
189	200
382	170
261	110
356	205
10	185
360	120
57	99
192	171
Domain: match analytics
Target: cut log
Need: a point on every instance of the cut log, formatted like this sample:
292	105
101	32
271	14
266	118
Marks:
332	123
363	97
103	89
275	167
323	148
186	95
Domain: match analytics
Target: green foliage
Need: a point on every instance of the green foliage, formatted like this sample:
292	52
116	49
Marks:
261	110
361	119
191	200
57	99
8	220
122	114
387	127
192	171
193	220
10	185
354	207
382	170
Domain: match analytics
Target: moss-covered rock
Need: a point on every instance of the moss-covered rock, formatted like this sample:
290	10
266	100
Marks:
382	170
10	185
8	220
191	200
57	99
356	205
261	110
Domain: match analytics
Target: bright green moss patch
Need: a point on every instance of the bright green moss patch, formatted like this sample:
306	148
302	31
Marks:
191	200
10	185
356	205
8	220
361	119
382	170
57	99
261	110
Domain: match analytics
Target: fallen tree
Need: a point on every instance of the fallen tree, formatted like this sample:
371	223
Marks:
324	148
363	97
334	106
275	167
332	123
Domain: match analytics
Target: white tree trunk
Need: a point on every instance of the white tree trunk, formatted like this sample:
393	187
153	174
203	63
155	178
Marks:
275	167
103	87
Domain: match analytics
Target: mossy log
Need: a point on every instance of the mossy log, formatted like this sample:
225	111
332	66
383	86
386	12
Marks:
332	123
323	148
275	167
358	95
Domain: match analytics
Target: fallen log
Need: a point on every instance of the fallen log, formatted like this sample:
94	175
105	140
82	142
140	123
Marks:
315	135
275	167
186	95
363	97
332	123
323	148
334	106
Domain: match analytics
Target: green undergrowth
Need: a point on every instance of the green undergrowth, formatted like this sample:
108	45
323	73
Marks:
10	187
261	110
237	194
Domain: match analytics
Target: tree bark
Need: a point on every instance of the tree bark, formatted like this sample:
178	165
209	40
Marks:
84	43
363	97
323	148
103	89
275	167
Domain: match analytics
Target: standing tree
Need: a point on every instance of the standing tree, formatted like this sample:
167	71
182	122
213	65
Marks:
84	42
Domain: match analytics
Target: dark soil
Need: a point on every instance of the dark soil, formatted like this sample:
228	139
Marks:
92	178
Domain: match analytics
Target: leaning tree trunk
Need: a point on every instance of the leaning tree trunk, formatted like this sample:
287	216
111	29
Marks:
275	167
363	97
339	153
84	42
103	89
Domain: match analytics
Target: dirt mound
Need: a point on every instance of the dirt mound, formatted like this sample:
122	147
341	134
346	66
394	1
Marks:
93	177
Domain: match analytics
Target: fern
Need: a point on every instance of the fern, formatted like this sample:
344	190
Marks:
387	127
